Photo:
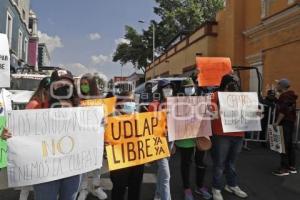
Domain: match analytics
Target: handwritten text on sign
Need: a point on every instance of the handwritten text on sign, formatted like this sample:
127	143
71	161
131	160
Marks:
4	61
188	117
239	111
136	139
51	144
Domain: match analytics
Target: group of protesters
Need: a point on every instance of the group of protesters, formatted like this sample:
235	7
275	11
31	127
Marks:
60	90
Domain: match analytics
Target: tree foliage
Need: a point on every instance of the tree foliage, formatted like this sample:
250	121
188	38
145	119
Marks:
177	16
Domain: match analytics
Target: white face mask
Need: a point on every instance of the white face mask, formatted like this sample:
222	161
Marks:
168	92
189	91
129	107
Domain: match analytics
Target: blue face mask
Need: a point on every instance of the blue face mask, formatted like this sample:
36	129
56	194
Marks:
129	107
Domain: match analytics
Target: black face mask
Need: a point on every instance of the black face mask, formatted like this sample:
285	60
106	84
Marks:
63	92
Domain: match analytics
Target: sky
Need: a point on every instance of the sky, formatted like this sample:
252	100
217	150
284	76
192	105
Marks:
82	35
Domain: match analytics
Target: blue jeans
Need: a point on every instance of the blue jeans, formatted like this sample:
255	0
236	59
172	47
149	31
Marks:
225	152
163	178
65	189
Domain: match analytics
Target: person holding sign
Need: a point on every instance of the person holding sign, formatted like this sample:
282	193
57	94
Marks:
63	94
163	191
88	90
130	177
225	146
38	100
286	117
187	149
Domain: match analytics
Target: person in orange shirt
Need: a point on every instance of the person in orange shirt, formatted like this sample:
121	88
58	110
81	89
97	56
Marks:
225	147
41	96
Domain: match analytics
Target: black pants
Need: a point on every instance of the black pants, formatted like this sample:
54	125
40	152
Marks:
132	178
187	155
289	158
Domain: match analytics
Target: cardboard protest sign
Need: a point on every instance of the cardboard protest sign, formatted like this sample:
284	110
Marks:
3	145
238	111
51	144
276	139
212	69
109	104
4	62
188	117
5	106
136	139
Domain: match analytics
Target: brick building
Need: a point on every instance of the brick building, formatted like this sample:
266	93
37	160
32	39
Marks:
260	33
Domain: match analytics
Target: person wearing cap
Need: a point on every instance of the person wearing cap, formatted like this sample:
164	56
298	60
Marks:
163	191
130	178
88	89
286	117
225	146
188	149
62	94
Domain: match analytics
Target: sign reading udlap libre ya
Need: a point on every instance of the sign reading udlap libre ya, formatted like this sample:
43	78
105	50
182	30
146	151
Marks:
51	144
136	139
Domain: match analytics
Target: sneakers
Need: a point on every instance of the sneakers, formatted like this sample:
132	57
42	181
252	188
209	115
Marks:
293	170
236	191
188	195
281	172
203	192
217	195
99	193
82	195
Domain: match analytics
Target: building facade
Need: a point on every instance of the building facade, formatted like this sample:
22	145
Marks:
33	42
258	33
14	21
43	55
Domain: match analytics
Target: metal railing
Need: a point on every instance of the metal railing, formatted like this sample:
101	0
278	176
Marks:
255	136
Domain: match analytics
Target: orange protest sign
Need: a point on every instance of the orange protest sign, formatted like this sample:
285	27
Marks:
212	69
108	103
136	139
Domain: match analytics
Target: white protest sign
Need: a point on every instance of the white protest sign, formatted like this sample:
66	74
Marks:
188	117
276	139
238	111
51	144
4	62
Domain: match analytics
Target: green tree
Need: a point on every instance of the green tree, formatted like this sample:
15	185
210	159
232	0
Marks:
177	16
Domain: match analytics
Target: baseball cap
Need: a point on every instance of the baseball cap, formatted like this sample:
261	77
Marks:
188	83
285	83
61	74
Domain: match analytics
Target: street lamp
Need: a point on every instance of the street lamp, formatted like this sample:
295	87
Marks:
153	37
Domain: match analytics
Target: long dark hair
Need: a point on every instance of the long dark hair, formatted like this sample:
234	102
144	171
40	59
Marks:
94	91
230	83
41	92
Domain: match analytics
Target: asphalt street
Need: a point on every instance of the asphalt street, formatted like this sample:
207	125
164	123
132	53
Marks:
254	170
